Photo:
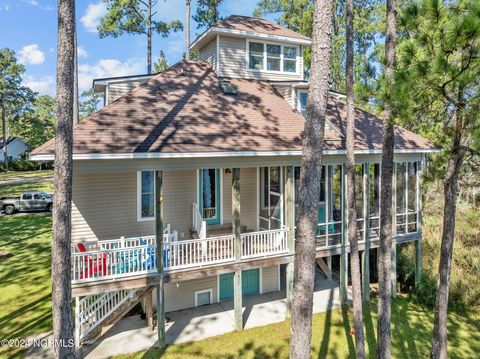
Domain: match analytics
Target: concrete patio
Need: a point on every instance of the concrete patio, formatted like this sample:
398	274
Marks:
131	335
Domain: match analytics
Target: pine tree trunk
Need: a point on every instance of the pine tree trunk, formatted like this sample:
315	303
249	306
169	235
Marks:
386	213
457	154
187	32
313	139
4	135
351	200
62	203
149	38
75	79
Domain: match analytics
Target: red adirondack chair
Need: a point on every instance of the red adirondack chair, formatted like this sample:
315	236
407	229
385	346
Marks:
93	266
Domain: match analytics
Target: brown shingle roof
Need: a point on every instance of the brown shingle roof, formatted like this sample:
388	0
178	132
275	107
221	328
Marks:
261	26
186	111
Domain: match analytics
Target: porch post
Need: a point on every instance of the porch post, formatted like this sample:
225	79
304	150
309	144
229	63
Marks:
393	278
77	322
148	302
237	278
418	261
159	257
290	223
366	233
344	254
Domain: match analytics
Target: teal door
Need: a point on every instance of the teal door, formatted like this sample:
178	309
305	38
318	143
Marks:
209	190
250	283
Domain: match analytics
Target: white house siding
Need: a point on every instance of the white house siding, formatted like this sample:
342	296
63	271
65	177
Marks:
233	62
120	88
15	150
209	54
105	204
286	92
248	197
181	295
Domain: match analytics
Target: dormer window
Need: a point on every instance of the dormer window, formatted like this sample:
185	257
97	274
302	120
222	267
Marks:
302	101
272	57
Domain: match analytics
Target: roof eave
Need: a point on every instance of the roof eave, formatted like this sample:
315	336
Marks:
208	35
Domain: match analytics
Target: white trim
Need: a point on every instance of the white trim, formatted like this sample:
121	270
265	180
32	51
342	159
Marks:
209	290
252	34
218	56
260	280
218	288
297	95
258	198
278	277
152	155
265	57
121	79
139	197
221	195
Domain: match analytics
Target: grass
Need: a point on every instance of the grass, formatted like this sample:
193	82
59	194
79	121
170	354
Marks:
25	307
332	337
16	190
5	176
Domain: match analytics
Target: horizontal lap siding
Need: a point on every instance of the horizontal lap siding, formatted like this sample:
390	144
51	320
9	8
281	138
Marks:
182	295
248	197
270	279
105	205
286	92
209	54
233	62
118	89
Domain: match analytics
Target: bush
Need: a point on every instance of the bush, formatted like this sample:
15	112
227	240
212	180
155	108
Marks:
26	165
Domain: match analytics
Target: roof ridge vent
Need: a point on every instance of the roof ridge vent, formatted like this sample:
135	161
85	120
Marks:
227	87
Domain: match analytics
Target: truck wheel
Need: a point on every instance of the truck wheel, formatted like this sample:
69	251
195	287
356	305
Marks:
49	208
9	209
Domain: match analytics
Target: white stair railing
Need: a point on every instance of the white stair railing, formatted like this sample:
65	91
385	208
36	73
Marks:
198	224
92	310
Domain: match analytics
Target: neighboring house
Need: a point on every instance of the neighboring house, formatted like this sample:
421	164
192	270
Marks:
225	136
16	148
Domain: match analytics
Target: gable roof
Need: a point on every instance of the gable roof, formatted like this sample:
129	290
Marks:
183	111
10	140
260	26
244	26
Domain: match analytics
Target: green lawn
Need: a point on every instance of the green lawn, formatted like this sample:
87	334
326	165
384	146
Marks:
25	307
332	337
5	176
16	190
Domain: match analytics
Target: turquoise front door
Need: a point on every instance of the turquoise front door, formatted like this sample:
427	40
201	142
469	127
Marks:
250	283
209	193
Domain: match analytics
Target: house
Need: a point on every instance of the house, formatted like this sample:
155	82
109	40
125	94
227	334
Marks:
208	152
16	148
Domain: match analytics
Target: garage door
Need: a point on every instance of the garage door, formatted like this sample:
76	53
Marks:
250	283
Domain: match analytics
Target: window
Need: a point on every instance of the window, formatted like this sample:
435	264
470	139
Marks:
272	57
302	102
146	195
27	196
270	213
255	50
203	297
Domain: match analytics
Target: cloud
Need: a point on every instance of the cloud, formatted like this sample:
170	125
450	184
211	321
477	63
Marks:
81	52
93	15
44	85
4	7
108	68
31	2
31	54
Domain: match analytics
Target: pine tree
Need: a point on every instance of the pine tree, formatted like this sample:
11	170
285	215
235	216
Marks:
207	13
136	17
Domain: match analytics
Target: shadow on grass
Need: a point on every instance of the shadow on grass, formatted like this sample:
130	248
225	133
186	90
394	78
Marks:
348	331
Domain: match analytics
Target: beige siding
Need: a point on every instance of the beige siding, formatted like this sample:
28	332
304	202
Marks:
117	89
270	279
248	197
286	92
105	204
233	62
182	295
209	54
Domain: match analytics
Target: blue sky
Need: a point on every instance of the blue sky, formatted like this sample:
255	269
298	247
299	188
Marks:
29	28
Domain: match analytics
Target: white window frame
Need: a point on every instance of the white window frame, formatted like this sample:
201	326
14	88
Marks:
197	292
262	194
139	197
299	108
282	46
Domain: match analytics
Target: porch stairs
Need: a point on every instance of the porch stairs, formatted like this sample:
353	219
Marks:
97	313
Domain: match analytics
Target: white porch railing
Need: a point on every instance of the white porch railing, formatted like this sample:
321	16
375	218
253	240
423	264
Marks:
92	310
198	224
137	256
264	243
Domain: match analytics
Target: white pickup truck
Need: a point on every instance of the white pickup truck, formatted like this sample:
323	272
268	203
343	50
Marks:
30	201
